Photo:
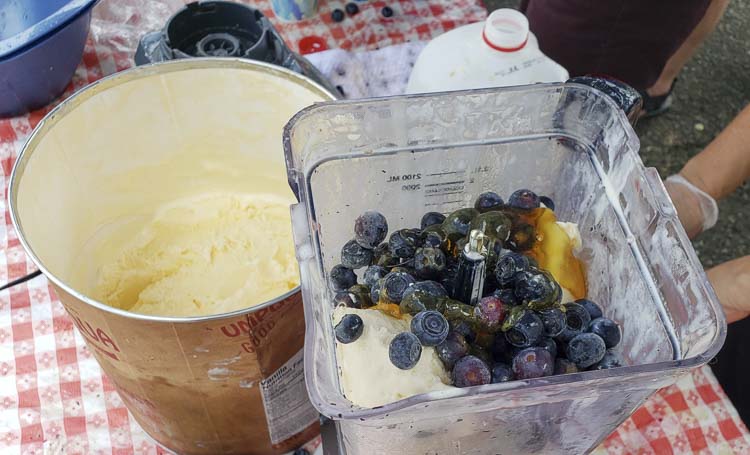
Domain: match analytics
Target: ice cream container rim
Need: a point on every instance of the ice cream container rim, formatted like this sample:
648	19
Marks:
353	412
111	81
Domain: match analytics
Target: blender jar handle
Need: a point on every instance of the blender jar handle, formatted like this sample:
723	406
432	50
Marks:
626	97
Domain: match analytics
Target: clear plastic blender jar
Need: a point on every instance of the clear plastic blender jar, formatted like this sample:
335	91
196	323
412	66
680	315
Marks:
407	155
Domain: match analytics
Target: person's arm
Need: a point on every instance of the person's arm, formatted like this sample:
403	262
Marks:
725	163
731	281
717	171
712	174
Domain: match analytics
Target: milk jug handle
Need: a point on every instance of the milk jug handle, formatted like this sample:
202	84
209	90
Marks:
626	97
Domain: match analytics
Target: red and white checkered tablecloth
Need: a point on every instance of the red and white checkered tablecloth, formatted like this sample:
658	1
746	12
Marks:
55	399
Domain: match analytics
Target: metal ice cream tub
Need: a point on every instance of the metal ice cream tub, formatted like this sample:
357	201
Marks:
226	383
408	155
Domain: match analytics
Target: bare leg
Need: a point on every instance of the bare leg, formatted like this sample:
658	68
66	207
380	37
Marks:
731	281
685	52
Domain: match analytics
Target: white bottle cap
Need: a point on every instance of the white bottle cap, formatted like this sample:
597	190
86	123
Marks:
506	30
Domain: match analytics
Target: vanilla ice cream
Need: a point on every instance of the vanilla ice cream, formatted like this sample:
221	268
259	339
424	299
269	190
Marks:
222	244
207	254
368	378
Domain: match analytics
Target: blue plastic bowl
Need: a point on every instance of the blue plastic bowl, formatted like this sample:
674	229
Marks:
41	44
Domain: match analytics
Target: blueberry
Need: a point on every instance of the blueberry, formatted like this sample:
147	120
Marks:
576	320
565	366
405	351
421	296
522	237
547	202
387	11
347	299
403	243
429	262
485	340
507	296
352	8
357	296
434	238
523	199
586	349
349	328
370	229
480	353
488	201
375	291
430	327
509	263
464	328
497	225
382	256
527	331
301	451
337	15
549	344
501	373
373	274
533	362
501	349
610	360
431	288
537	288
561	347
431	219
451	349
491	312
387	260
362	294
341	278
553	320
416	302
459	222
470	371
607	329
404	268
395	284
594	310
354	256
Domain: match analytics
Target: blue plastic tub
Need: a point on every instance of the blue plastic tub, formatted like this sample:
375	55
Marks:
41	44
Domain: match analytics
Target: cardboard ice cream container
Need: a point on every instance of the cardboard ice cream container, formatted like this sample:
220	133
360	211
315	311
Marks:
106	158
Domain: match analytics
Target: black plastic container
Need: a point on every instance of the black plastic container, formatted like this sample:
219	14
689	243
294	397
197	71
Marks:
223	29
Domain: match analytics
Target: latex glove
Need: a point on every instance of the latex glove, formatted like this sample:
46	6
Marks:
696	209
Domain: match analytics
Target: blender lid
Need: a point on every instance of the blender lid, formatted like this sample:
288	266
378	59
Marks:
223	29
21	18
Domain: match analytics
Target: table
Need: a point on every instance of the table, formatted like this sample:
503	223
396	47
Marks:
55	399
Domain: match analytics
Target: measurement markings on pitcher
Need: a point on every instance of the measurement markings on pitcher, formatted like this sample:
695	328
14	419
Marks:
429	184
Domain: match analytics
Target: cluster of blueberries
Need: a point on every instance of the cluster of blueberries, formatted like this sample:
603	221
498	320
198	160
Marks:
337	15
518	329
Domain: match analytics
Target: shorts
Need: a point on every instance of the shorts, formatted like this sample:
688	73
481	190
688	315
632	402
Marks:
630	40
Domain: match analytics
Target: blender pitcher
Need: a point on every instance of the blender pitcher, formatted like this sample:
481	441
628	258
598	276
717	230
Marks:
407	155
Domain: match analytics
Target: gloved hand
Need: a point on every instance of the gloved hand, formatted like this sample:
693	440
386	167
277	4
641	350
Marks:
697	210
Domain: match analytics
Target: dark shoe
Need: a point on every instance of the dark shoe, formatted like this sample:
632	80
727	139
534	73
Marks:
656	105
